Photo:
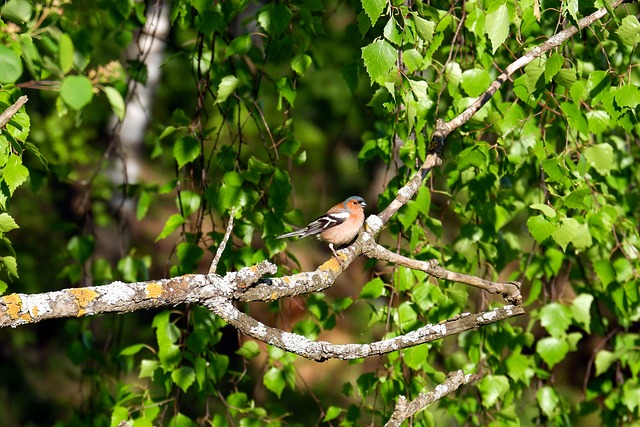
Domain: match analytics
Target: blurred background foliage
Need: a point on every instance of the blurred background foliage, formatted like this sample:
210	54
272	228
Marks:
147	122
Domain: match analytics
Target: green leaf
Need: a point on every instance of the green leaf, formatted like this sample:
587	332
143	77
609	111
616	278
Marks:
350	75
174	221
571	6
240	45
552	66
629	30
76	91
379	58
332	413
183	377
604	360
475	81
19	11
115	100
118	415
143	205
373	9
566	77
393	33
492	388
373	289
598	120
274	381
412	59
540	228
545	209
189	255
600	157
11	265
249	350
581	310
552	350
575	117
131	350
274	18
279	191
227	86
231	191
599	82
14	173
519	367
553	170
407	316
628	96
286	91
548	400
555	318
571	231
424	28
301	63
65	55
10	65
7	223
605	272
81	247
631	395
186	150
578	199
416	357
181	420
497	26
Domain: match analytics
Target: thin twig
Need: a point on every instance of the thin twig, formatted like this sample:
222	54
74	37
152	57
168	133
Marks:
7	114
223	244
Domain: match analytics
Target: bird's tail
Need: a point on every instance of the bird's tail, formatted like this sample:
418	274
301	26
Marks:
297	233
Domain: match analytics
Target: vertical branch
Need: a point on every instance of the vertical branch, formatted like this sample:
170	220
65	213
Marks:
223	244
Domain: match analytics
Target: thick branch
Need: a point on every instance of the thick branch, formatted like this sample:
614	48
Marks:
322	350
303	283
405	410
19	309
510	291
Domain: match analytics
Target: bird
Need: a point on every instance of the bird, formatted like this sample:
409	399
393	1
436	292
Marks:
338	226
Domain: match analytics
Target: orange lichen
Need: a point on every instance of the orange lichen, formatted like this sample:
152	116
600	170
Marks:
332	265
14	305
154	290
83	298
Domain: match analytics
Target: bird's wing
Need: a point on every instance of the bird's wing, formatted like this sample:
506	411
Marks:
325	222
321	224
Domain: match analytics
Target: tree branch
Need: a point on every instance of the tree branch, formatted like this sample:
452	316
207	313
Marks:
322	350
405	410
7	114
19	309
510	291
443	129
223	244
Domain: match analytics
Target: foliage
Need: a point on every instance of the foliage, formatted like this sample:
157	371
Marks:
260	103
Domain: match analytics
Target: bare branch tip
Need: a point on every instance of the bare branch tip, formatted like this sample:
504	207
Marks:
223	244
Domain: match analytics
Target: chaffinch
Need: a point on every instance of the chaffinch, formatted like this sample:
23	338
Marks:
338	226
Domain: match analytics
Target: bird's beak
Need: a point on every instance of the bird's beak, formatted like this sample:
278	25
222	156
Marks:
363	204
